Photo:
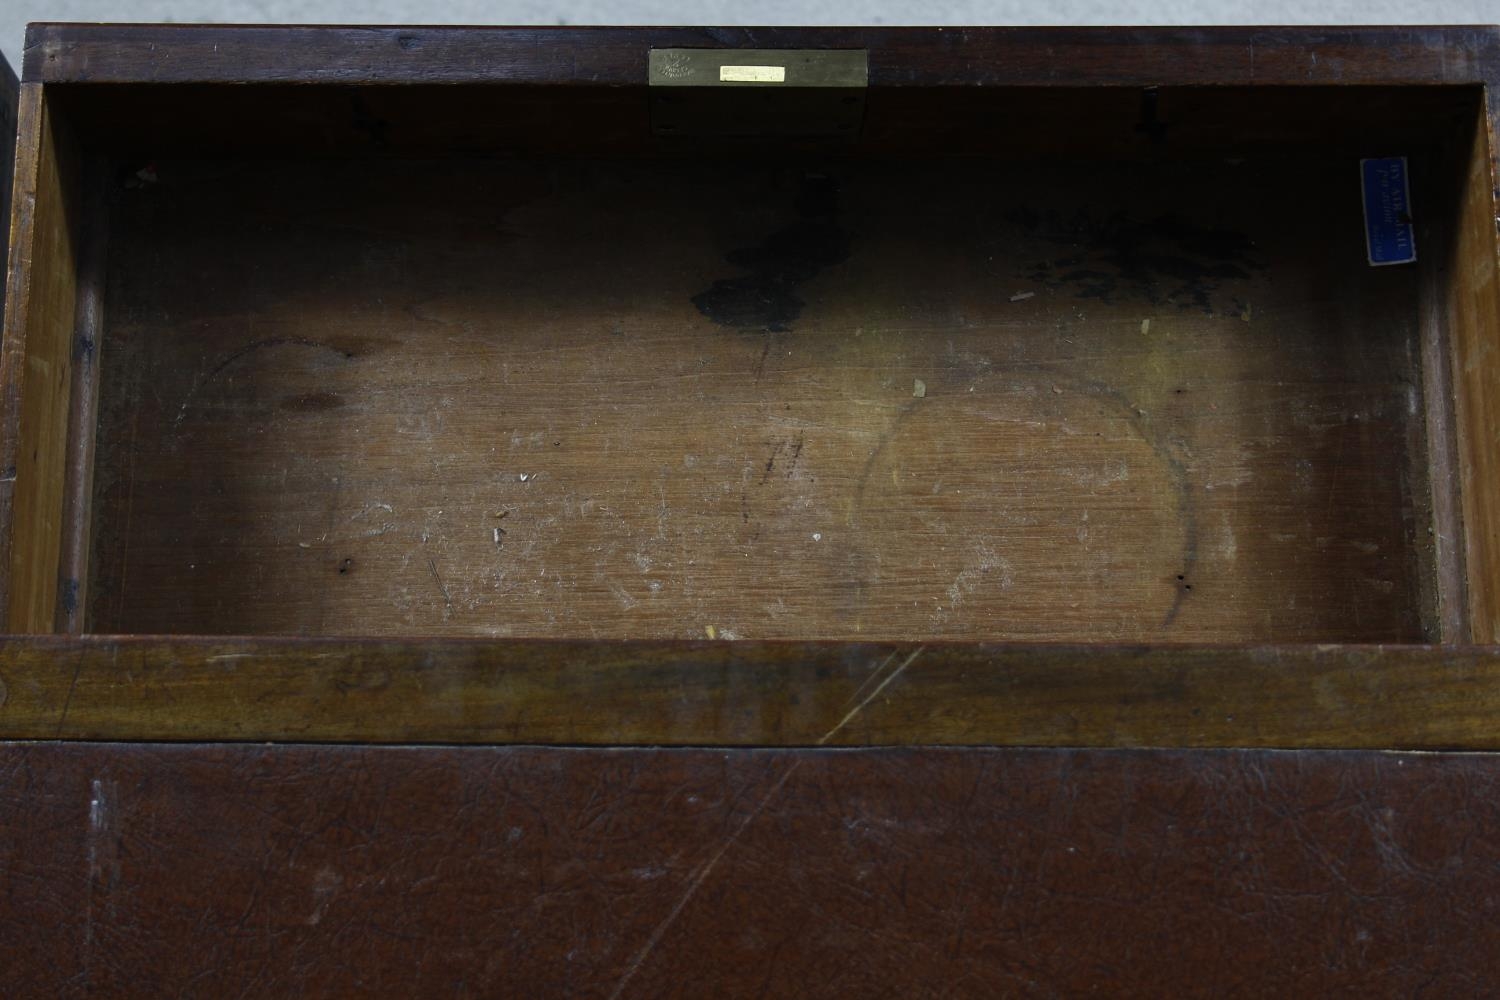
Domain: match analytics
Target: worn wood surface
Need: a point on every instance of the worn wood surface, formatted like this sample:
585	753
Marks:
748	693
899	57
83	404
9	101
260	872
825	400
36	366
1476	361
1440	185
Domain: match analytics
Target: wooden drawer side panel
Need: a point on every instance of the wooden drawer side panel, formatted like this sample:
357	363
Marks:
1475	296
36	370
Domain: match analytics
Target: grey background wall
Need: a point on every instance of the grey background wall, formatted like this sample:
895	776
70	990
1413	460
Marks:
14	14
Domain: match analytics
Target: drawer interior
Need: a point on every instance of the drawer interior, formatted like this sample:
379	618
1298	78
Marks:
417	369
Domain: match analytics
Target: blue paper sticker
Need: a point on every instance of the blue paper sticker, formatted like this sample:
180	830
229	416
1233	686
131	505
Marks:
1388	225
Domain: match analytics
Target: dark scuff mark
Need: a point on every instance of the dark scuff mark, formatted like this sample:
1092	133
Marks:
365	122
1165	261
378	681
313	402
261	345
68	596
1186	516
771	461
359	346
766	298
437	578
765	352
792	449
243	352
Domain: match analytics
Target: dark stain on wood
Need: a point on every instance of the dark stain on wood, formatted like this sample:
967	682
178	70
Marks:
313	402
766	299
68	596
1164	261
241	353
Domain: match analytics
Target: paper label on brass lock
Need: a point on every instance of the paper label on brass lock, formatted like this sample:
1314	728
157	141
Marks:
805	69
752	74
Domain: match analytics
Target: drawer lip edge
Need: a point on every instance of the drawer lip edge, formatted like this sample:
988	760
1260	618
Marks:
745	693
617	56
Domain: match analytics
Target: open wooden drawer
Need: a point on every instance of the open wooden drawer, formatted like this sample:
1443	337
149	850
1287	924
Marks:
545	347
579	335
367	341
635	388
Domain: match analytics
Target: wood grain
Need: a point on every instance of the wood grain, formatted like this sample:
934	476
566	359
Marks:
899	57
618	400
9	99
746	693
83	403
36	367
1439	185
440	872
1475	335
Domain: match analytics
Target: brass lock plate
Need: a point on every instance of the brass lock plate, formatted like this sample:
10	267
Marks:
758	92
